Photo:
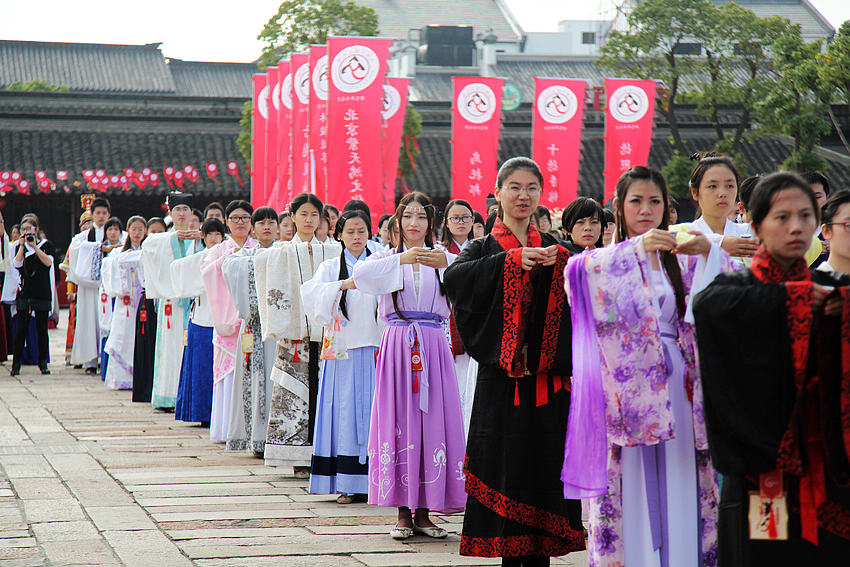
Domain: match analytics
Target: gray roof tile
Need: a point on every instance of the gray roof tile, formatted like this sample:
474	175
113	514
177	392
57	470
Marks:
221	80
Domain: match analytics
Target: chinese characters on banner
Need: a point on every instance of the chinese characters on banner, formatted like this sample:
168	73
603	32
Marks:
393	110
300	66
476	115
556	137
628	127
258	139
319	119
355	91
272	124
282	189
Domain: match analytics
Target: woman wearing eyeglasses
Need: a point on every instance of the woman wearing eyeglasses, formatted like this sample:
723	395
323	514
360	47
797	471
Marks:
507	290
457	233
836	230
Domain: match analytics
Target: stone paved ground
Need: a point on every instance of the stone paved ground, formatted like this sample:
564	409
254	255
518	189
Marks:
89	478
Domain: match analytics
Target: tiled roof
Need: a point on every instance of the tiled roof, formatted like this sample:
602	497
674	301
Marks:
222	80
86	67
812	22
396	17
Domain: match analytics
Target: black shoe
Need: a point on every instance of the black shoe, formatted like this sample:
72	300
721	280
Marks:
16	369
43	367
91	370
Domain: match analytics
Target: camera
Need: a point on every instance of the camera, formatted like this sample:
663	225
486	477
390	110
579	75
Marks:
30	237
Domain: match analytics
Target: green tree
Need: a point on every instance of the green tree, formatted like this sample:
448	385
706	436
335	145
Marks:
37	85
243	141
834	75
650	49
677	172
300	23
794	106
411	130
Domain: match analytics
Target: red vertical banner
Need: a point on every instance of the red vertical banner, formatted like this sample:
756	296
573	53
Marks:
283	188
393	110
258	138
300	67
556	137
272	123
476	116
355	91
629	109
319	119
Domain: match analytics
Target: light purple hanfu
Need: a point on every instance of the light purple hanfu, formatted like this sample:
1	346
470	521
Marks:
416	440
636	443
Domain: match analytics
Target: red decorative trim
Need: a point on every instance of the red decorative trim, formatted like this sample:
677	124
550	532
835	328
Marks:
835	519
513	290
768	271
845	369
517	546
554	311
517	511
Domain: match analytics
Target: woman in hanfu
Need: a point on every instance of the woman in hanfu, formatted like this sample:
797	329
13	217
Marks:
194	393
280	273
457	233
512	314
636	443
113	240
347	380
225	316
128	289
416	439
774	345
250	397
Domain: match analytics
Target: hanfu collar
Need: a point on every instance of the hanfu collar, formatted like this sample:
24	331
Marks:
768	270
508	240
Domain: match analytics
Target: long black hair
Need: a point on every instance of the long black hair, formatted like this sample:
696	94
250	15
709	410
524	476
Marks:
343	268
425	201
446	236
668	260
127	242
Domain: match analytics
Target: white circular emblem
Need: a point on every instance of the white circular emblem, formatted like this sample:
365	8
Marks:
628	103
320	78
354	68
286	91
301	83
476	103
390	102
263	102
276	96
557	104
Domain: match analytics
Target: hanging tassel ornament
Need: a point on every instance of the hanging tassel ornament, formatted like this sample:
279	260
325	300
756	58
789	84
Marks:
143	318
167	312
103	300
295	357
415	364
127	304
516	393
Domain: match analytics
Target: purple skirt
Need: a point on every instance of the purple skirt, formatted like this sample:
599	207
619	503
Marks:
415	456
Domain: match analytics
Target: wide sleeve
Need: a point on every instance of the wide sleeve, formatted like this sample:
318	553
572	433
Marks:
156	261
744	357
85	257
225	317
235	270
184	275
380	274
318	294
110	275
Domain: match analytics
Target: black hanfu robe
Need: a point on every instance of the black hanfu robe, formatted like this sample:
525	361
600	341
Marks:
145	349
511	319
776	383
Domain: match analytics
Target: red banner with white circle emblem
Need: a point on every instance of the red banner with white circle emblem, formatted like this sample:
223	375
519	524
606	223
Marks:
300	66
282	188
272	125
629	109
258	141
476	118
355	90
319	120
394	107
556	137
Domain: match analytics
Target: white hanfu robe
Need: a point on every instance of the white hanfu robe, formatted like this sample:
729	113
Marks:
85	260
279	275
124	284
158	252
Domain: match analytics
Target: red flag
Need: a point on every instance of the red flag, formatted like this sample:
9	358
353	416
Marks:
629	110
393	110
319	119
24	187
212	170
62	175
556	137
153	179
282	192
168	173
476	115
88	174
272	126
258	139
300	123
357	69
233	169
179	179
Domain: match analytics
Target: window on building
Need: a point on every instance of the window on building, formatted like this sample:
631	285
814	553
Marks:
588	38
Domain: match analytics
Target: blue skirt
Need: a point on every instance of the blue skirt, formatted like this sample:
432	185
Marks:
194	395
341	438
30	354
104	358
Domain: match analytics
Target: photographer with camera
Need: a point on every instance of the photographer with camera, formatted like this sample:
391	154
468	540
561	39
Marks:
34	262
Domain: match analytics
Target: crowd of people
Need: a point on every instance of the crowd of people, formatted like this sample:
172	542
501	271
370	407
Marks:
688	384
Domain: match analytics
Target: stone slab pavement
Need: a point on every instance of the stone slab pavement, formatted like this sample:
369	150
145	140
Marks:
87	477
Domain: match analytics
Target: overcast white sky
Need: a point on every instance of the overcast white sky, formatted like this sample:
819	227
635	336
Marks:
224	30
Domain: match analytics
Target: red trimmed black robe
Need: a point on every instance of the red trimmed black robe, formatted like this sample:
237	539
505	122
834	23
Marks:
776	384
516	324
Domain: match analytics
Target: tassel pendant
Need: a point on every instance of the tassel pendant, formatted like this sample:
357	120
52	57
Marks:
295	357
168	323
516	393
771	524
415	384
